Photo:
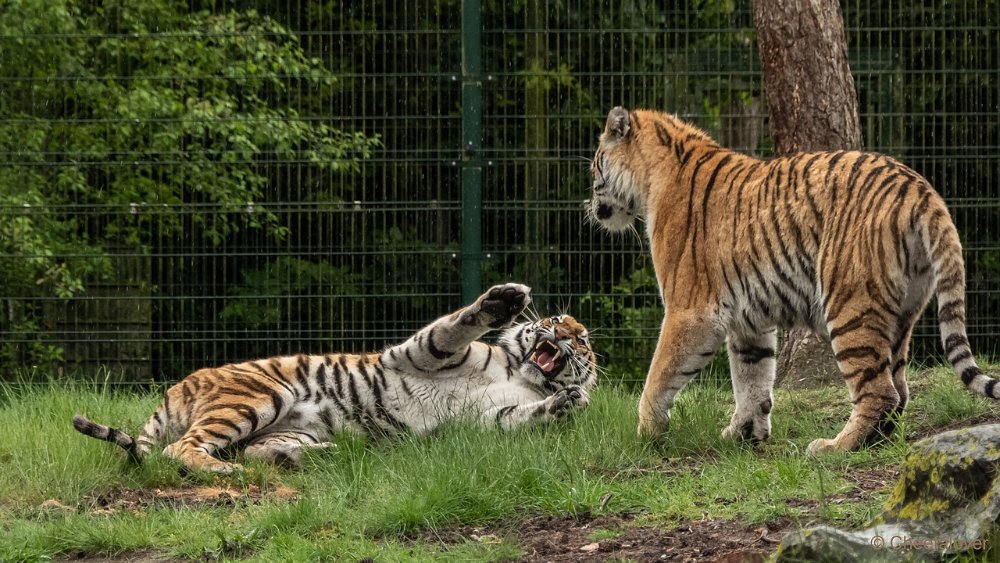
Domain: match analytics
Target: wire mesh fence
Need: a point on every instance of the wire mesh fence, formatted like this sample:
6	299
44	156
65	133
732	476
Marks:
191	183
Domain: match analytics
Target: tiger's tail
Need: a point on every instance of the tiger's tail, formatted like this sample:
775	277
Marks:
943	247
109	434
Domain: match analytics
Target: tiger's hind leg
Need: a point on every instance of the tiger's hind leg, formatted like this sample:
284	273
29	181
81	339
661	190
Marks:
862	338
216	429
283	448
195	453
917	296
752	365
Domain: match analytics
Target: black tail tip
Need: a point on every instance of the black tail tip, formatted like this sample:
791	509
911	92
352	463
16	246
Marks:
82	424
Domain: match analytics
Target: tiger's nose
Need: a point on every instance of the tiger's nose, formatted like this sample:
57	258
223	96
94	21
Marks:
562	334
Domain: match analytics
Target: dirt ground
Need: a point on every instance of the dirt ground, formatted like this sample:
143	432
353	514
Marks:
546	538
543	538
557	540
562	540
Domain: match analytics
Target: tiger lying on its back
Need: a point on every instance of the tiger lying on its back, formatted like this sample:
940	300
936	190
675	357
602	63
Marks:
849	244
538	372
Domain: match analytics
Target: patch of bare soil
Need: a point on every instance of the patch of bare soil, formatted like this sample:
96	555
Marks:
135	500
134	557
615	537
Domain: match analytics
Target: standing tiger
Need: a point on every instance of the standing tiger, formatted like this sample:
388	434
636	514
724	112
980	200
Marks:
848	244
538	372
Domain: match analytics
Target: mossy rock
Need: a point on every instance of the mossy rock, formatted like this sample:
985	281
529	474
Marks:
947	497
949	479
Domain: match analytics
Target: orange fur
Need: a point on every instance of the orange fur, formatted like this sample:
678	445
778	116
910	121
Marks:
849	244
538	372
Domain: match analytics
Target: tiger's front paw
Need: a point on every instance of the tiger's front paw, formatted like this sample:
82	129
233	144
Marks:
566	401
752	430
499	305
653	429
821	446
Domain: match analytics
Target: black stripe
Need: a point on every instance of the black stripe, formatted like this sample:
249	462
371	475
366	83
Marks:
250	414
302	374
765	406
990	387
363	369
218	436
955	341
381	411
355	398
406	386
785	278
221	421
434	350
886	400
686	154
275	376
763	282
413	363
807	190
952	311
507	410
460	362
664	135
186	391
851	325
337	393
753	354
831	187
970	373
489	358
708	191
857	352
963	355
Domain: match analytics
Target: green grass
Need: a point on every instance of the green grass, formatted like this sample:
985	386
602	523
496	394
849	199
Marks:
387	499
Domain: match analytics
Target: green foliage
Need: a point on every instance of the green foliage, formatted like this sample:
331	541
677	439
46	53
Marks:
142	106
632	306
270	297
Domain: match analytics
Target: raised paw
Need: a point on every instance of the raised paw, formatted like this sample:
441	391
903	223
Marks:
567	400
500	305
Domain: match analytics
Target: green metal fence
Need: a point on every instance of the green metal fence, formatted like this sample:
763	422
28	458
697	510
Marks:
182	184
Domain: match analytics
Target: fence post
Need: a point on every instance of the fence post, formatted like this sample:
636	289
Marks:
472	164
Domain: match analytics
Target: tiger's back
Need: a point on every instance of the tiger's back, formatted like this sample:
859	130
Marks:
850	244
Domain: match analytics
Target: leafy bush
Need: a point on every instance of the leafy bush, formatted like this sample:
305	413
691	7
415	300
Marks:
130	109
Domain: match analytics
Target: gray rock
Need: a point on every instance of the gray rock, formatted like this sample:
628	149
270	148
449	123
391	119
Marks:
947	497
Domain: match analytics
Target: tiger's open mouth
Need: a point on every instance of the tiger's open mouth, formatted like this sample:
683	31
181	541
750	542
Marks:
548	357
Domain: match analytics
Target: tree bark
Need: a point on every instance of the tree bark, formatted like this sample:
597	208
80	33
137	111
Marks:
812	105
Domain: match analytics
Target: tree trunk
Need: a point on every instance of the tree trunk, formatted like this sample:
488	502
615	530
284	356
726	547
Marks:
812	105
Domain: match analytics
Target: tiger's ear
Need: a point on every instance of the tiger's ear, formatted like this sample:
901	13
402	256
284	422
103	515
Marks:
617	127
